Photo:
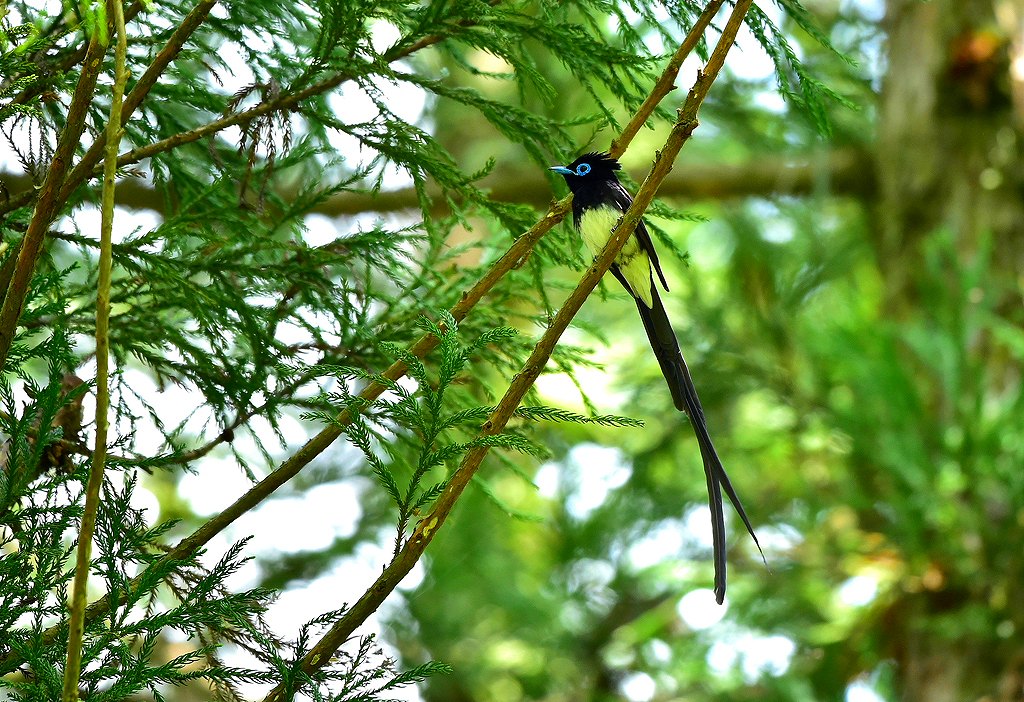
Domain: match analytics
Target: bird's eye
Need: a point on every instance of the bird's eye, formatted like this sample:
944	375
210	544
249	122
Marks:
583	169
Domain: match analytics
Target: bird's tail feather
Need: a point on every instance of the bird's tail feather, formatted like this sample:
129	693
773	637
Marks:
684	394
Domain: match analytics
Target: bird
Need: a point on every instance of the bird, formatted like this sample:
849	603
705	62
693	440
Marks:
599	203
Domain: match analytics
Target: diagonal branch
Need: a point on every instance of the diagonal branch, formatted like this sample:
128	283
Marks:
402	49
49	200
322	653
512	258
667	82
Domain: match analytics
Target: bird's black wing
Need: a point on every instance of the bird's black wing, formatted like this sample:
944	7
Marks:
684	395
622	199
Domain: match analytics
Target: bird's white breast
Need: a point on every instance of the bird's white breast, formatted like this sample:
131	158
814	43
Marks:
596	226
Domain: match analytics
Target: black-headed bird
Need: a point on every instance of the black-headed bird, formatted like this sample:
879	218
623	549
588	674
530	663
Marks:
599	202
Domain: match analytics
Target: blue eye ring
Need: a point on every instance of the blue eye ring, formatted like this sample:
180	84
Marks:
583	169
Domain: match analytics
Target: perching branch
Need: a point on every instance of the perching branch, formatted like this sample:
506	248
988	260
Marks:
320	655
76	631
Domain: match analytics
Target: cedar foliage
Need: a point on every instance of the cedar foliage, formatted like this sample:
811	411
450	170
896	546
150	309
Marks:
232	297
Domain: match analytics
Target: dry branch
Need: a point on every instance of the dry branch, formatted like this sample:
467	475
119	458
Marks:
845	172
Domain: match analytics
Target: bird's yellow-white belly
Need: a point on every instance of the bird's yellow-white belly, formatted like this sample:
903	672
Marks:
596	226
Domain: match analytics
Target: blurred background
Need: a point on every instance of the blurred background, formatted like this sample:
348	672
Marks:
846	285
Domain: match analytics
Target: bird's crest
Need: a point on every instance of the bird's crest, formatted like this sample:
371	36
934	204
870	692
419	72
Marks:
598	160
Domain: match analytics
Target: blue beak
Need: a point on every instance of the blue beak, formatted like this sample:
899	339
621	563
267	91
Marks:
561	169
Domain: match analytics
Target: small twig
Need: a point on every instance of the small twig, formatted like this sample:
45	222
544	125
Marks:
59	184
321	654
87	166
70	60
72	670
284	102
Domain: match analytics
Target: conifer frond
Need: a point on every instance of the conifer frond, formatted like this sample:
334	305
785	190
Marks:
557	414
795	82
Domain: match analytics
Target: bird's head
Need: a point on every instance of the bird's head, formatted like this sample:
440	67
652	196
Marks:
588	168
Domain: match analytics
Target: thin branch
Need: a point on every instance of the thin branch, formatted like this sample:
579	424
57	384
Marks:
322	653
72	670
511	259
49	200
56	190
285	102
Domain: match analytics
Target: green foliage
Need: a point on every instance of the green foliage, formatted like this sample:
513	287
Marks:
17	45
795	83
364	674
120	648
410	435
252	313
121	654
